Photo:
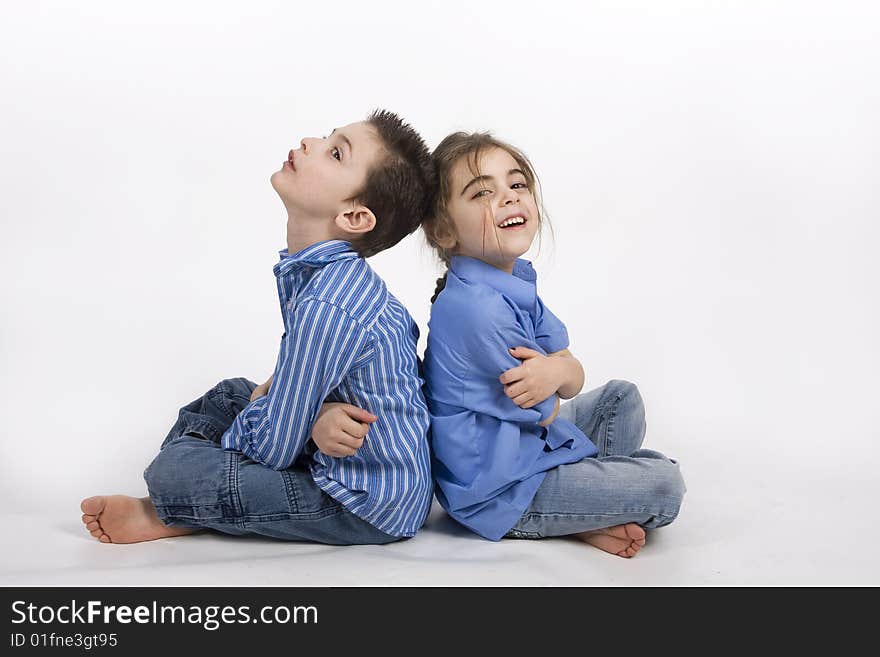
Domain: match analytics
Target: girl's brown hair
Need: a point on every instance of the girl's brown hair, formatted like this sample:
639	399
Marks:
438	226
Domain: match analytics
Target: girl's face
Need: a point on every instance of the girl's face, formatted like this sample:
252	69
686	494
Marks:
495	215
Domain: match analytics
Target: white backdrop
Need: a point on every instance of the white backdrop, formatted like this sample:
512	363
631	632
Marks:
710	169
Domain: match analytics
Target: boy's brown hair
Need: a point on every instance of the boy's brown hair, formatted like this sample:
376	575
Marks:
399	188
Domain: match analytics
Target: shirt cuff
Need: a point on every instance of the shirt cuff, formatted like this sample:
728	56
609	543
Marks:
545	408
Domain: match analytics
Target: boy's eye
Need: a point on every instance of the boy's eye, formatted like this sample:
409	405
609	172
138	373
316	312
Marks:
521	185
482	192
335	152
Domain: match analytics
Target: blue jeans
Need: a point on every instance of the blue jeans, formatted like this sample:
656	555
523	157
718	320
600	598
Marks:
194	483
623	483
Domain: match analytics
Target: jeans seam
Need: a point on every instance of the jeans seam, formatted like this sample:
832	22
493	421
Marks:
312	515
540	515
598	412
232	481
220	397
290	489
172	512
609	424
608	428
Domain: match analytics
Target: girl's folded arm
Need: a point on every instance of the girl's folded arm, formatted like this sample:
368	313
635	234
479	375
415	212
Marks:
489	336
574	374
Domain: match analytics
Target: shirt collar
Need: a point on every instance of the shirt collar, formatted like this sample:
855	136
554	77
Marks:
520	286
315	255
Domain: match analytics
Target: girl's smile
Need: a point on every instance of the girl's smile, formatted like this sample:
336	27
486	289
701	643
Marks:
516	221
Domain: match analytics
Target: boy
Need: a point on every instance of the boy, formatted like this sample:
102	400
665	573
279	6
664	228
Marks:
297	458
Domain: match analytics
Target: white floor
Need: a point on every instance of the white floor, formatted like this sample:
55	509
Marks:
780	523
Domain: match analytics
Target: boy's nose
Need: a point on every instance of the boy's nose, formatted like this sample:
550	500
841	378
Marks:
308	142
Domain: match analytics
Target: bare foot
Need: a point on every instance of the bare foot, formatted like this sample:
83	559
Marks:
622	540
124	519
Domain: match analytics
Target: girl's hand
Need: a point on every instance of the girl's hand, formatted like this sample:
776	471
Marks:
532	382
549	420
341	428
262	389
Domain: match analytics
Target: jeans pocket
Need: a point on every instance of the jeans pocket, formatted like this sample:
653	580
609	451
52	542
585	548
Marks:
203	430
304	495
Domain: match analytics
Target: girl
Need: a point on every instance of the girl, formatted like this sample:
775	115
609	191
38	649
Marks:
508	460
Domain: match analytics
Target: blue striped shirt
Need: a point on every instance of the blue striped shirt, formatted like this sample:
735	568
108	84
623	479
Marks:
347	339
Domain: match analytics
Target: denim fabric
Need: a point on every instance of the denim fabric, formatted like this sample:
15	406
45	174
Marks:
623	483
194	483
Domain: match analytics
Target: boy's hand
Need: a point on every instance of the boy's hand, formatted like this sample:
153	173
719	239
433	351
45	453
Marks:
262	389
532	382
340	428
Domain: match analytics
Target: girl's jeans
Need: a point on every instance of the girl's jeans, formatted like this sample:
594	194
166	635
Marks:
194	483
623	483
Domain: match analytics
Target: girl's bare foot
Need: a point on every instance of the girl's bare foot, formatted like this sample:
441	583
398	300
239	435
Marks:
124	519
622	540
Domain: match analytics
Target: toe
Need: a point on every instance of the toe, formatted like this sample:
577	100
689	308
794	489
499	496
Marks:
86	518
635	532
91	526
93	505
104	538
97	533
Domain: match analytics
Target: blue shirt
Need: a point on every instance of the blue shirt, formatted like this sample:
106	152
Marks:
349	340
489	455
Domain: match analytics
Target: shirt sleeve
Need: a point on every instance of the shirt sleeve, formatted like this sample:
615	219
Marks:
319	349
494	330
550	332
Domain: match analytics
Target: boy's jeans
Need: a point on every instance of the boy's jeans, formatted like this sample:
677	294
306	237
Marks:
193	482
622	483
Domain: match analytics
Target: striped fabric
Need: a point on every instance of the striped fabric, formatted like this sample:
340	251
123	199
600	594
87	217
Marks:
347	339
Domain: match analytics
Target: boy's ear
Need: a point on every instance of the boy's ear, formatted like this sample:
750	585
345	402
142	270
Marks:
357	220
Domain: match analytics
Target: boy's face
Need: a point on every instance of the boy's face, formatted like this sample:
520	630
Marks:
481	209
320	178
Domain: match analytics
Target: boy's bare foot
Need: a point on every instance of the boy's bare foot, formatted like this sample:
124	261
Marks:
622	540
124	519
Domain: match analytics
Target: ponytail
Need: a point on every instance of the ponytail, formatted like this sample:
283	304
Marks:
441	283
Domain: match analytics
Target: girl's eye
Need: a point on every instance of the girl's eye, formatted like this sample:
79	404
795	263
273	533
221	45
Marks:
336	153
482	192
521	186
